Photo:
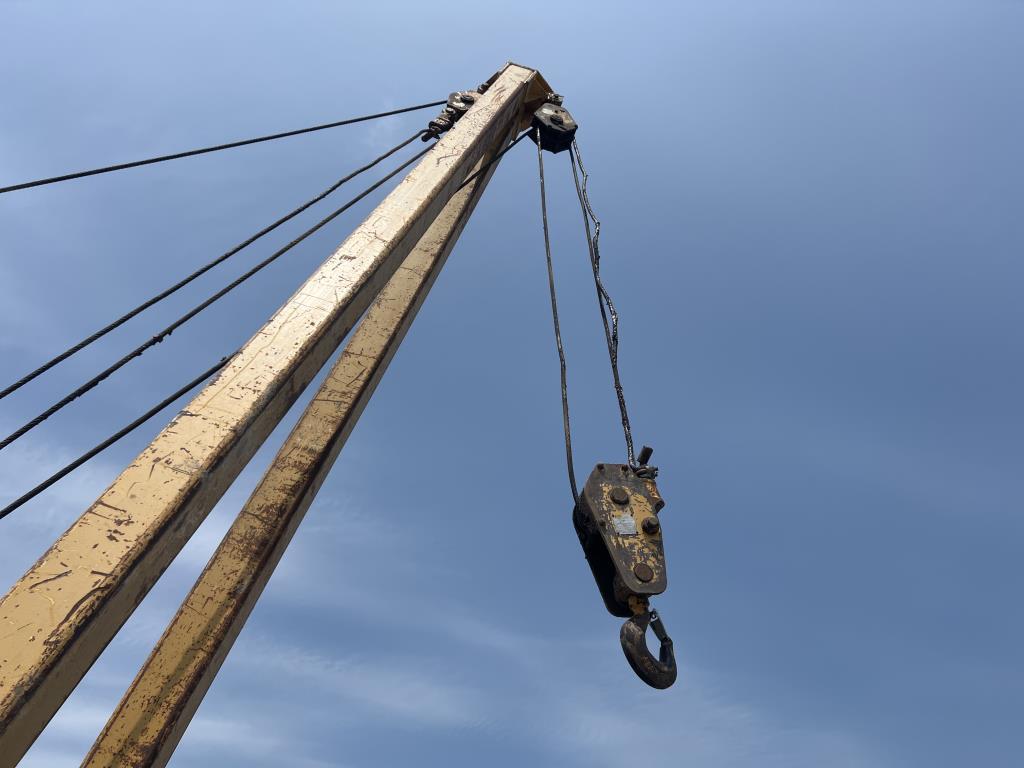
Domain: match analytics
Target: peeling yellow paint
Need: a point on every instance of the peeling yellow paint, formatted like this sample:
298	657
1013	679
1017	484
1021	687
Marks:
171	486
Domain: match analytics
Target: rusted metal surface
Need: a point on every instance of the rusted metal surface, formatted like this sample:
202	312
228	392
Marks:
618	526
56	620
656	672
151	718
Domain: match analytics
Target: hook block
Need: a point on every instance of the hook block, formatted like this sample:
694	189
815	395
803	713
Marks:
618	527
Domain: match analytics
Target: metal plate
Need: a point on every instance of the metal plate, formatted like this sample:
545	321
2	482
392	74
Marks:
613	506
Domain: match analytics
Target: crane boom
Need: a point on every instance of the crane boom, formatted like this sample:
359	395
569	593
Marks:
151	718
64	611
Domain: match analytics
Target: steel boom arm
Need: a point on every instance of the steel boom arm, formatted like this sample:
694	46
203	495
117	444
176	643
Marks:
153	715
57	619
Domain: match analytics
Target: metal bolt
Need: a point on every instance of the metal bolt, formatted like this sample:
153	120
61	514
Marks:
643	572
557	119
651	525
619	495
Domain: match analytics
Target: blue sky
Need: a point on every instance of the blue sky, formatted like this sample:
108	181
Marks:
813	231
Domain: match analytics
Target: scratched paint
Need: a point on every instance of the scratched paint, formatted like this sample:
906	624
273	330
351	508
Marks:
148	723
55	628
614	505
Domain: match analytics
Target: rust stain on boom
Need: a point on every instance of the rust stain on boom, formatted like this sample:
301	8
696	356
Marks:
57	619
153	715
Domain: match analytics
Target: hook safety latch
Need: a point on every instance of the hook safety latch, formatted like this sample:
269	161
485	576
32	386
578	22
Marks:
656	672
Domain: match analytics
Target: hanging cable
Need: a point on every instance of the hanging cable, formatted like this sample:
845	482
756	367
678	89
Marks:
28	496
490	162
93	382
202	270
216	148
611	331
558	332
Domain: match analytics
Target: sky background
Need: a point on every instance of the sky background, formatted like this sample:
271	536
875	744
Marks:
813	230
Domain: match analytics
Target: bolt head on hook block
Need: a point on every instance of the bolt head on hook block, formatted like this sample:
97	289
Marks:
555	126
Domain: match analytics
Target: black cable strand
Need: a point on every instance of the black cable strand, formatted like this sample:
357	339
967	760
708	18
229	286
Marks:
202	270
200	307
216	148
611	331
58	475
490	162
558	331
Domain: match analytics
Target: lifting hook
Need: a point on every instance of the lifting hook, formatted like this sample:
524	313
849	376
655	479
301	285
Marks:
617	521
656	672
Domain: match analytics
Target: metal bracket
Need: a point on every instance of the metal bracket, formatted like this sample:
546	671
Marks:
458	105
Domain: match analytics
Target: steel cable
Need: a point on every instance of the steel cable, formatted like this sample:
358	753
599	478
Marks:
68	469
493	160
188	279
611	331
200	307
558	332
215	148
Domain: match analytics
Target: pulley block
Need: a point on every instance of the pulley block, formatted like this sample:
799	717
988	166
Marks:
554	128
618	524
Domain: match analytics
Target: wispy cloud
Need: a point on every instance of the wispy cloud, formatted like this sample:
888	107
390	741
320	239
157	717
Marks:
406	690
525	696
